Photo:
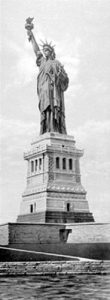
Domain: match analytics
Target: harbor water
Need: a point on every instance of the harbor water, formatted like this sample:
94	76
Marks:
80	287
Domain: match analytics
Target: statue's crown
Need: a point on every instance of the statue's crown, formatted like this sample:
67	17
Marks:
48	46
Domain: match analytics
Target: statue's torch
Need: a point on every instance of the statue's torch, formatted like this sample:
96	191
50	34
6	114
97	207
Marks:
29	26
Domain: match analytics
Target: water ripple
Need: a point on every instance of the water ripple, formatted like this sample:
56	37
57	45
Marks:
60	287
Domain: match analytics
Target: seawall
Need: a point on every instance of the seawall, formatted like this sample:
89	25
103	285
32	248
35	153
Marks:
54	268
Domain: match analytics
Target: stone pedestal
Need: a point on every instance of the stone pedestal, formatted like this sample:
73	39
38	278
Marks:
54	192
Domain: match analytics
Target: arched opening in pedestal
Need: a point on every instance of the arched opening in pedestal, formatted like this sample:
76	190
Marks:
68	206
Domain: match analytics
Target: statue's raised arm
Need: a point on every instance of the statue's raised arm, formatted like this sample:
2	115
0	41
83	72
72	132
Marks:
29	26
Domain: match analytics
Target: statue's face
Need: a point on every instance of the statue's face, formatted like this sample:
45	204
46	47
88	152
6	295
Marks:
46	52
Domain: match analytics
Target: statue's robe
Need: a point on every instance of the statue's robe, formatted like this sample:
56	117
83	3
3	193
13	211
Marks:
51	85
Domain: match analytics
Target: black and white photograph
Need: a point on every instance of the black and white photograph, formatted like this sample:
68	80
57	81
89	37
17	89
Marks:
55	149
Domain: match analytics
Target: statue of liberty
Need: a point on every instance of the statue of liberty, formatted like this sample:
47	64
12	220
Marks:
52	82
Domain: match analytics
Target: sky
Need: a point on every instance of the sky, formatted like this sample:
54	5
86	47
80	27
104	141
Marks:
80	30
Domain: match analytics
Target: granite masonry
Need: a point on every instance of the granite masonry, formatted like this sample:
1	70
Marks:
54	192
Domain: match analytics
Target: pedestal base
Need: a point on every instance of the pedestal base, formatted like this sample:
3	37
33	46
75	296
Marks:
54	193
57	217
